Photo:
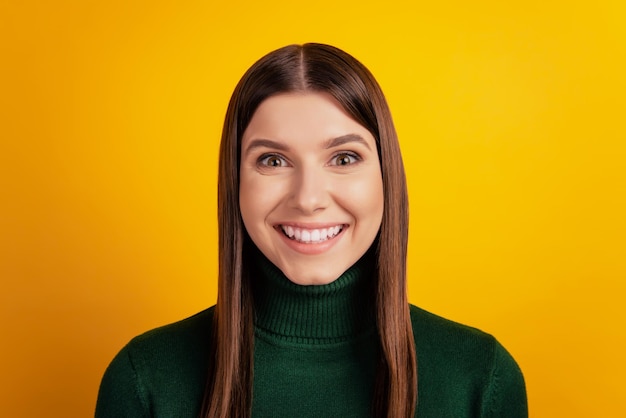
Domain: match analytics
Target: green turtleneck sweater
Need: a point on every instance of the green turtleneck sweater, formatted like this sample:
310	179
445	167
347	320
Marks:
315	352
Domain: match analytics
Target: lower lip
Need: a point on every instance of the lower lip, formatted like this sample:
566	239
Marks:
311	248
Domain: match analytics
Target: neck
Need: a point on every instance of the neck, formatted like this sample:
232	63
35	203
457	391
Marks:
320	314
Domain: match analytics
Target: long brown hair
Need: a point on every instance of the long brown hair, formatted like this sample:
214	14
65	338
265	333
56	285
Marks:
314	68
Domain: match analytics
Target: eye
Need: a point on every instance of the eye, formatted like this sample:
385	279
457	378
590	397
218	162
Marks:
344	158
272	161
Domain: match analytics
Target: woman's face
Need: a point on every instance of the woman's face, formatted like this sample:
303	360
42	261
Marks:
311	192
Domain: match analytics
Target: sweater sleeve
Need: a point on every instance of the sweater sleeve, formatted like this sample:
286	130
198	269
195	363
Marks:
121	394
506	392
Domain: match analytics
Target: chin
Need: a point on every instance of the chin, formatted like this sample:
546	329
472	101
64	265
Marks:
310	277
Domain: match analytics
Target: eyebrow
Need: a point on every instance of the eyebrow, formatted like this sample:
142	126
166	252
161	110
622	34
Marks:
345	139
266	143
331	143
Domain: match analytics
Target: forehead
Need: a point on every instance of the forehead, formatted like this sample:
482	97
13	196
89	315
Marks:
309	116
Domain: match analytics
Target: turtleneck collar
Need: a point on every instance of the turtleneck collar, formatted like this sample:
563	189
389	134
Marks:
316	314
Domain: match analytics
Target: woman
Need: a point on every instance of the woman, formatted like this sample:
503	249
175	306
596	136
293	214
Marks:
312	317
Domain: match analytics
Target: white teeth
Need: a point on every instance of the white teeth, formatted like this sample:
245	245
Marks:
311	235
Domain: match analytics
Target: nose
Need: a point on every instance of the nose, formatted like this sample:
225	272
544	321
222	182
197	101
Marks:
309	191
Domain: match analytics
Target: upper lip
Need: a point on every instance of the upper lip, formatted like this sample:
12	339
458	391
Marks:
310	225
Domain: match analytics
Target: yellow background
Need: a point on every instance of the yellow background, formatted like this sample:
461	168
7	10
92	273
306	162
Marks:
511	119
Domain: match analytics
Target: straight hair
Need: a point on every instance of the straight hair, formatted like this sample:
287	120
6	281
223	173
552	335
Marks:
321	69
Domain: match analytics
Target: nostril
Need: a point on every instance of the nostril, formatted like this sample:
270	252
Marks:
309	198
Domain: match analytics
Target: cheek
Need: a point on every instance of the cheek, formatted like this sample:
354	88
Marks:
249	205
373	200
258	196
365	200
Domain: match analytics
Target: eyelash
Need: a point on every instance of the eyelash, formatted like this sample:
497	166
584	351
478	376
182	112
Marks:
262	161
356	157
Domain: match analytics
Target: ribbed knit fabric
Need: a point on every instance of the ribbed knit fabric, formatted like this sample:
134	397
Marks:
313	315
315	346
315	355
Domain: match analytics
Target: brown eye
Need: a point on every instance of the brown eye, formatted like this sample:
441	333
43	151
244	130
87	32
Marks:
273	161
344	159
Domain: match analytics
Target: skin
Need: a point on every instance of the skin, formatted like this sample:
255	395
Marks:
310	171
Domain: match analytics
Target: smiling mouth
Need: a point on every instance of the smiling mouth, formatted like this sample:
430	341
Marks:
311	236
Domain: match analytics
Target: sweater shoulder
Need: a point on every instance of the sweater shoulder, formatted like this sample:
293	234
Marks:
161	372
192	331
451	344
175	348
487	380
432	326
